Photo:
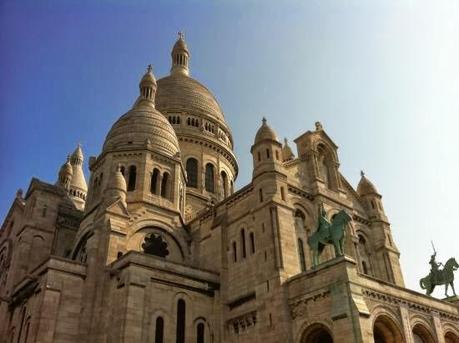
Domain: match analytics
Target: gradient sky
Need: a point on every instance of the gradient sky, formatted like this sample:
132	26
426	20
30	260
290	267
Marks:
381	76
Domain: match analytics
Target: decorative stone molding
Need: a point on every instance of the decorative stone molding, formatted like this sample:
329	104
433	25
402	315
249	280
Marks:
298	307
242	324
392	300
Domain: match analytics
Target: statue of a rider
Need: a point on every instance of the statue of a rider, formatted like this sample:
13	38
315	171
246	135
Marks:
324	224
434	267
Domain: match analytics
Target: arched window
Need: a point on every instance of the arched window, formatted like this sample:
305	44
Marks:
192	172
224	184
200	330
234	252
132	178
252	242
232	186
210	174
154	181
180	332
364	255
301	255
159	330
123	171
165	186
244	252
267	154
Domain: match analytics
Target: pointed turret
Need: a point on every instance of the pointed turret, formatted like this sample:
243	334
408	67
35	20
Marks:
78	186
116	187
287	153
65	175
266	150
180	57
370	197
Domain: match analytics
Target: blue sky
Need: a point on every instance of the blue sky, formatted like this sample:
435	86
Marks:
381	76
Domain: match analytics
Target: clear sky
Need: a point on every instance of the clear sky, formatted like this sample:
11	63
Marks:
381	76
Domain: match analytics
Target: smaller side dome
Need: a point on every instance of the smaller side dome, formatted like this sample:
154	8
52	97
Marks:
365	186
265	133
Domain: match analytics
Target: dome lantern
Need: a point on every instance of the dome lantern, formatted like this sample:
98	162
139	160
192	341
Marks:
180	57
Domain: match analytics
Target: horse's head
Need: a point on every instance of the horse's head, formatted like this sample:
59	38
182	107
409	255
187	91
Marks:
342	217
451	264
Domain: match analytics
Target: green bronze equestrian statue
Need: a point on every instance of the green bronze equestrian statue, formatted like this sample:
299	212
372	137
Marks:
439	277
328	233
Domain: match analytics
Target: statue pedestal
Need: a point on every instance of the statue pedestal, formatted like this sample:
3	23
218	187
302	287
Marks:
454	300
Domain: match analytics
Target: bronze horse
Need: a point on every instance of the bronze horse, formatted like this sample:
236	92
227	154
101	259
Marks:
335	236
442	277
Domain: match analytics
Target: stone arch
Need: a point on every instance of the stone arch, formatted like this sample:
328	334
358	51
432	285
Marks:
207	329
451	337
451	333
422	334
166	323
386	328
317	333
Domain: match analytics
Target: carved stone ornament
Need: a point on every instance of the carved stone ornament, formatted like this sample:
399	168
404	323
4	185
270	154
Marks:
154	244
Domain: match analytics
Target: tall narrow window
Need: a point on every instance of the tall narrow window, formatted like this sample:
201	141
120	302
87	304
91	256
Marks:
260	194
192	172
234	252
165	185
200	333
132	178
210	174
159	330
301	255
123	171
244	253
267	154
154	182
180	332
252	242
224	184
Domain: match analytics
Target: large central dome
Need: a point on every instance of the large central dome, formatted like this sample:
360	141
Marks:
179	92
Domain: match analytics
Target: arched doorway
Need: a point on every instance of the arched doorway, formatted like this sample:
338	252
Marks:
451	338
317	333
386	331
422	335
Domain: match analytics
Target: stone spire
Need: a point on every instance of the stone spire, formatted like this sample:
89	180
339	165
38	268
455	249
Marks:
116	187
78	186
287	153
180	57
65	175
147	88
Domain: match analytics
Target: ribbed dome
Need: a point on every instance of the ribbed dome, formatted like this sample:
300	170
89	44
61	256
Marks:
265	133
141	126
365	186
179	92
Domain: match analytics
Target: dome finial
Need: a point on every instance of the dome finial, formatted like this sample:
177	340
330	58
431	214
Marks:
362	173
149	69
180	56
263	120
